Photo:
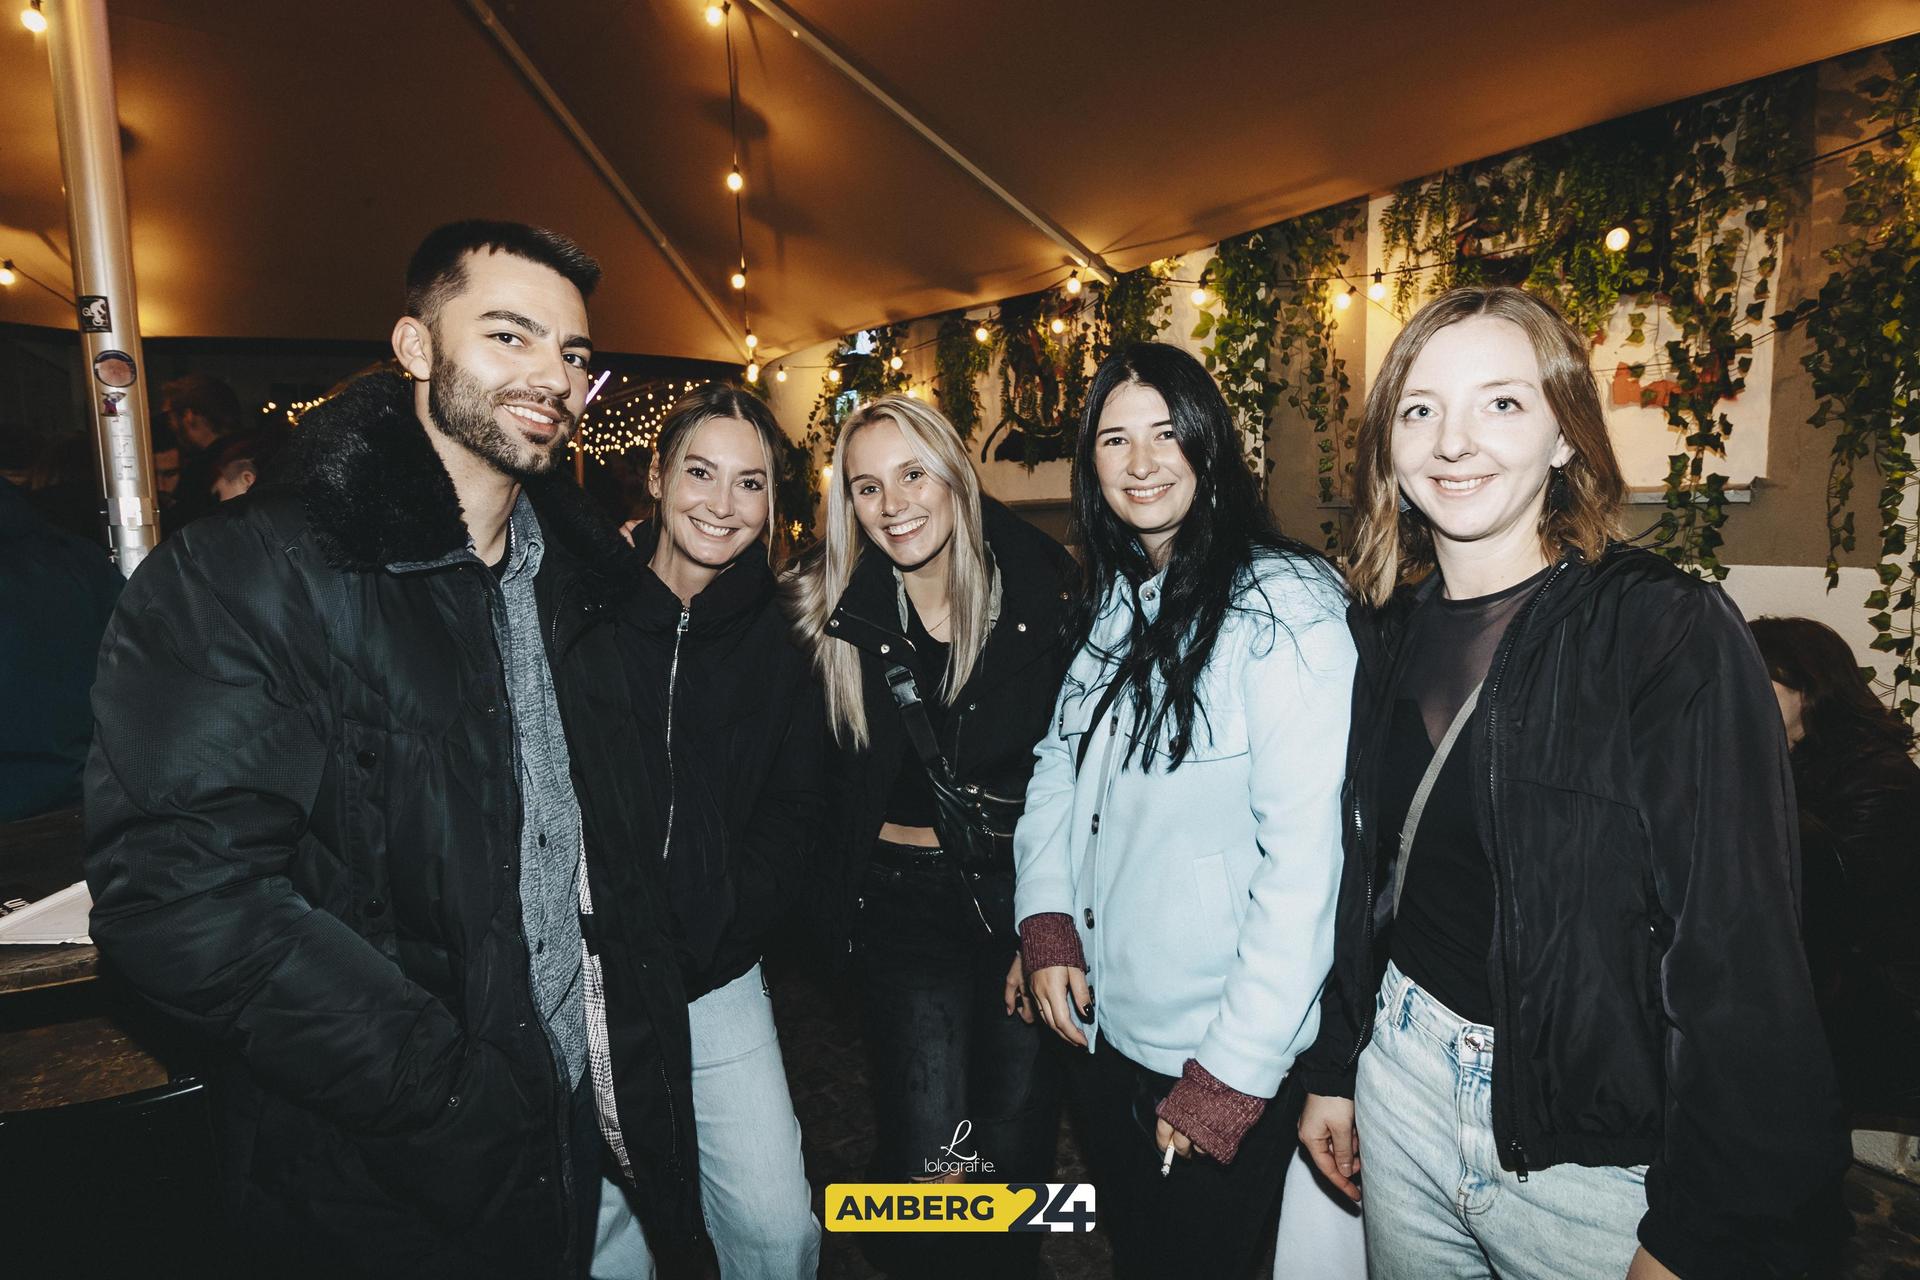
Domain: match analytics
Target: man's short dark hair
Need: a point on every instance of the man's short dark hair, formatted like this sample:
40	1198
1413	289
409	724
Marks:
438	269
206	395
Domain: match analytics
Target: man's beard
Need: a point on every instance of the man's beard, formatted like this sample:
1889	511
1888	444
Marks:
464	411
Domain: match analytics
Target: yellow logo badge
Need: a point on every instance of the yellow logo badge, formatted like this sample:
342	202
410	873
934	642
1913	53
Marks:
959	1206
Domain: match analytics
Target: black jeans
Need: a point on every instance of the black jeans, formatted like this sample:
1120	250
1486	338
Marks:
1204	1218
953	1073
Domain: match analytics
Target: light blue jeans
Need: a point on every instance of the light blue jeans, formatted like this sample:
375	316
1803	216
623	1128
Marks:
1437	1201
753	1185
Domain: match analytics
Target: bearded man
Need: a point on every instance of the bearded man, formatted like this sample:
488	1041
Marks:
356	787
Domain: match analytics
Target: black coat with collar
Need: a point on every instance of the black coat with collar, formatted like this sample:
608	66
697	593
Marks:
303	818
1653	1006
729	765
991	727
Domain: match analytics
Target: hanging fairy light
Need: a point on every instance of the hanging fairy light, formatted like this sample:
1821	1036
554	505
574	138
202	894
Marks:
780	374
833	376
6	272
1378	289
895	363
739	278
716	14
735	183
981	335
1341	301
753	371
752	341
1073	283
32	18
1200	296
1057	325
1617	239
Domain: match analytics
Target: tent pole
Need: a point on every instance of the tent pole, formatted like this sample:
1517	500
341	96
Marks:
816	40
88	122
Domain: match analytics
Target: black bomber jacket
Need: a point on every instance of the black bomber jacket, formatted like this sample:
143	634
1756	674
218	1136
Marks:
1653	1006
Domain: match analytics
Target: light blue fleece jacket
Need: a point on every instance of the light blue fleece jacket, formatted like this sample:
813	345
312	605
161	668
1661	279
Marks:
1204	897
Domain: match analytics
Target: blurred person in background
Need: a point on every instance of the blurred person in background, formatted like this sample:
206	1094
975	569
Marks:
238	461
1859	795
200	410
56	593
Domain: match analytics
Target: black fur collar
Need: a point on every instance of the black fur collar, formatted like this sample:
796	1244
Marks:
376	493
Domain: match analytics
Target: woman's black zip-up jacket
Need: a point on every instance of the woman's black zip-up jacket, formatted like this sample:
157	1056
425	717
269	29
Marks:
1653	1004
729	772
990	729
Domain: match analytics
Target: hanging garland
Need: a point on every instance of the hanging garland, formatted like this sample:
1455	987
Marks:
1696	187
1864	326
960	360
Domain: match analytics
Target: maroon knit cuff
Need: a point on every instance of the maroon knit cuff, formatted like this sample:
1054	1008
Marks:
1049	939
1213	1115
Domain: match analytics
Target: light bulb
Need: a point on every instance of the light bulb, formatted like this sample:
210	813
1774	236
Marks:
981	335
1617	239
826	473
779	375
753	371
715	15
752	341
1341	301
6	273
833	376
734	180
1058	325
33	20
895	363
739	280
913	393
1378	289
1201	297
1073	282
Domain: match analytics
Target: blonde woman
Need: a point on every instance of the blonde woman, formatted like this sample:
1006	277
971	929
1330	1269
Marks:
928	605
1569	1031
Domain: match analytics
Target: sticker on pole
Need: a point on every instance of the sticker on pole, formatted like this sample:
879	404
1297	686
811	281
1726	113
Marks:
95	315
960	1206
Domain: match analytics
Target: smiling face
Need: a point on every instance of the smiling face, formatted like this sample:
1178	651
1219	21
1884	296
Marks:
714	505
508	373
902	505
1473	441
1145	478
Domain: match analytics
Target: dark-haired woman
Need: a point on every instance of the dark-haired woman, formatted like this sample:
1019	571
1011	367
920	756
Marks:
1859	794
730	791
1569	1016
1180	850
923	589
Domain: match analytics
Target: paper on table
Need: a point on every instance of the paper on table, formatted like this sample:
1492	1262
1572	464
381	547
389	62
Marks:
58	917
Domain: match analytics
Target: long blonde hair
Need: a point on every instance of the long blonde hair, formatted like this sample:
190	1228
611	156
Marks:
1582	510
816	587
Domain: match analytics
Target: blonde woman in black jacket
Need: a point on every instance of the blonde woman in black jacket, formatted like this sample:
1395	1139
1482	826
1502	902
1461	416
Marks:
1569	1031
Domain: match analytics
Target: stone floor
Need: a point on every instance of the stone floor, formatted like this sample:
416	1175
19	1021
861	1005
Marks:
827	1069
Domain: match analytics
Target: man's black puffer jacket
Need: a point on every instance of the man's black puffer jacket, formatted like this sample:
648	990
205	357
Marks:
1633	790
303	821
731	748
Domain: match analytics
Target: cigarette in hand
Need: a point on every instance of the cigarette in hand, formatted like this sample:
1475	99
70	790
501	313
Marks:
1166	1161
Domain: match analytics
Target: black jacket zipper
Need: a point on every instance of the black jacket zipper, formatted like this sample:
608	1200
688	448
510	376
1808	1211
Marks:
1516	1152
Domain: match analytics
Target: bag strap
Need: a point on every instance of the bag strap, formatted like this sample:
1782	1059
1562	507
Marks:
1425	789
913	714
1099	713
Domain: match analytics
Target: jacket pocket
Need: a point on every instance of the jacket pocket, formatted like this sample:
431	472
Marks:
1215	891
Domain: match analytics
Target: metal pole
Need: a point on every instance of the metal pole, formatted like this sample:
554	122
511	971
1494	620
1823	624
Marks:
89	125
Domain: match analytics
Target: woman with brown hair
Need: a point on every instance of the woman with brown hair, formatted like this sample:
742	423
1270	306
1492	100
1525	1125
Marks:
1568	1010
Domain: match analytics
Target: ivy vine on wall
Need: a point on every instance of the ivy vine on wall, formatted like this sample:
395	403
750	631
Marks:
1864	327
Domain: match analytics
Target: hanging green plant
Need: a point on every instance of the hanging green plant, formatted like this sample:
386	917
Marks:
960	361
1864	326
1133	308
1043	378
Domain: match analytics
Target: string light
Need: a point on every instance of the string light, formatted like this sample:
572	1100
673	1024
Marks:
752	341
739	279
6	272
1378	289
895	363
734	181
780	374
826	473
1617	239
1058	325
33	20
913	393
1073	283
1201	297
981	335
753	372
1341	301
715	15
833	376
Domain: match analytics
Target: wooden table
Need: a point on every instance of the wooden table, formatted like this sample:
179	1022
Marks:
37	857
